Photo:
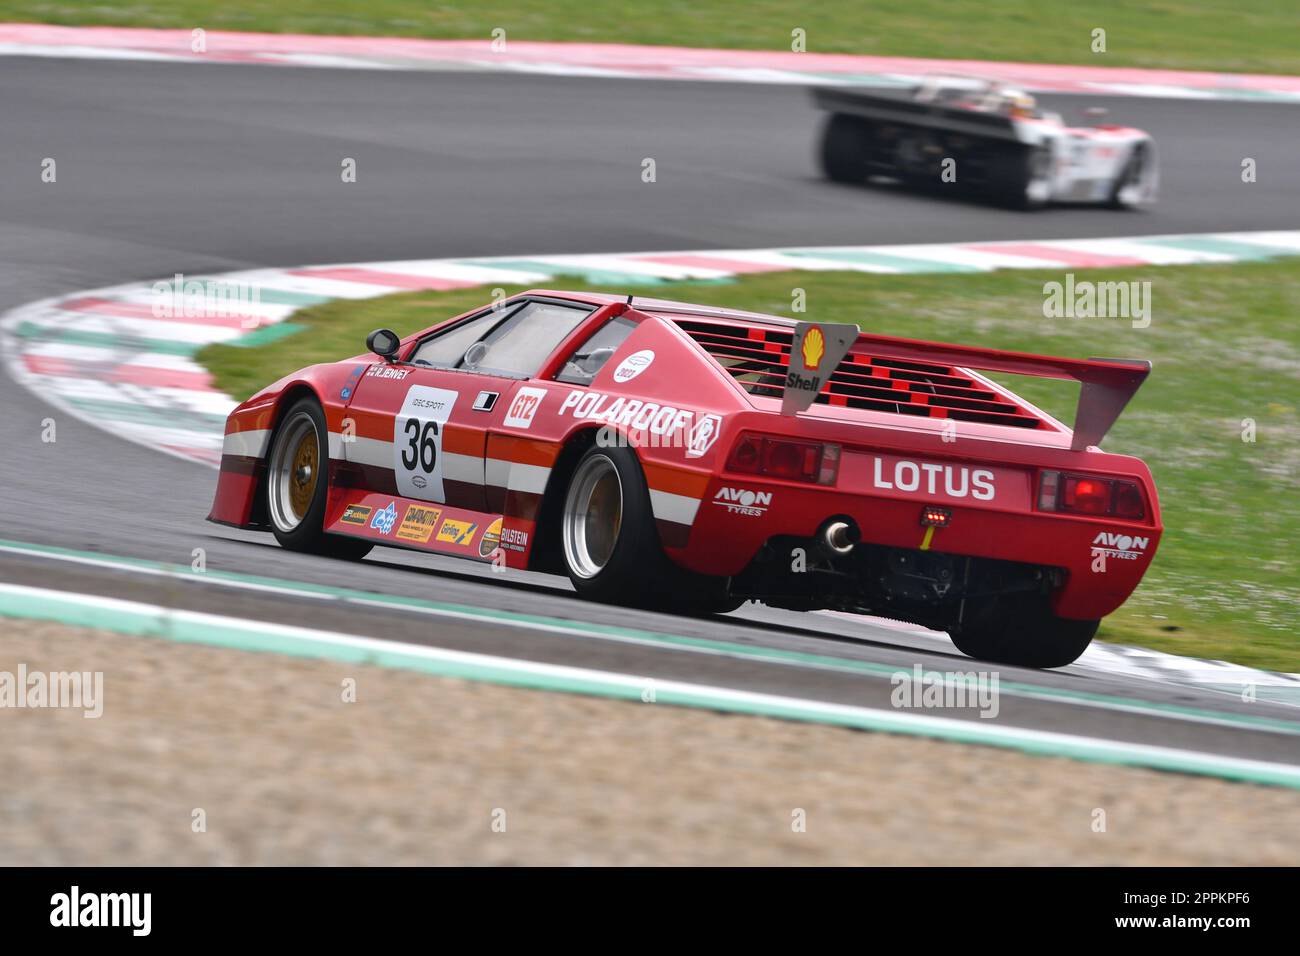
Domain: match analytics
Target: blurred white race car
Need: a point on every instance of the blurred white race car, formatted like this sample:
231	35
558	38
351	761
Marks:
977	135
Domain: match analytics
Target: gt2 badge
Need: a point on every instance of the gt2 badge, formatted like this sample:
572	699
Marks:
525	405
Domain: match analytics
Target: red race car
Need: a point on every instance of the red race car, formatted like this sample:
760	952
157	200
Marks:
686	457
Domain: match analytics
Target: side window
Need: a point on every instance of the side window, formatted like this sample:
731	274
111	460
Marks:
591	356
521	344
446	349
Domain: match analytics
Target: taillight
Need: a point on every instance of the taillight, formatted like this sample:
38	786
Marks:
783	458
1085	496
1090	495
1128	502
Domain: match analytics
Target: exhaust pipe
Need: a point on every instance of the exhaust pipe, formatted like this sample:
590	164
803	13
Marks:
840	537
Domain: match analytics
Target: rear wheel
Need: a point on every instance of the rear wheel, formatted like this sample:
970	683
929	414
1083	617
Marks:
1026	634
846	144
1025	177
297	483
610	545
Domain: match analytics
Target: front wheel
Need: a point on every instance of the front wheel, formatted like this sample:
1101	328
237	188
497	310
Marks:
297	485
1132	188
1027	634
611	547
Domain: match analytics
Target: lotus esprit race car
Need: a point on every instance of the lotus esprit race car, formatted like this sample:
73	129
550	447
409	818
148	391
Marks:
693	458
977	136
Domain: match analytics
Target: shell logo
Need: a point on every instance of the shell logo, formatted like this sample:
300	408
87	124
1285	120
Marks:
814	347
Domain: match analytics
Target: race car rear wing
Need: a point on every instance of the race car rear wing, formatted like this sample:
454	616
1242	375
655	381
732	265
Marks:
1106	384
887	108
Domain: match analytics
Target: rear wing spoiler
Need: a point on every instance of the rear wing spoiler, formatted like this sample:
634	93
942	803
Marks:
1106	384
909	112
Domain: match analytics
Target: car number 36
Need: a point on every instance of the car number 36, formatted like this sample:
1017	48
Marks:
422	447
418	431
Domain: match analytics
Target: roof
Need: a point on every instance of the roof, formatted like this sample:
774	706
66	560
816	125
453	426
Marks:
666	307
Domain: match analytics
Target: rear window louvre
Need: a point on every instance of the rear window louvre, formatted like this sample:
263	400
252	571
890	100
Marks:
757	358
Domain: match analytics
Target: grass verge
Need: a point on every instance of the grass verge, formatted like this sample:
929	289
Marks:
1225	583
1171	34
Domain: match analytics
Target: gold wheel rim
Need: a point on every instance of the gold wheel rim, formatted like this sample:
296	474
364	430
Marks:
302	477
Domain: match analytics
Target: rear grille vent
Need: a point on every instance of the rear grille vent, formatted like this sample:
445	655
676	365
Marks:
758	358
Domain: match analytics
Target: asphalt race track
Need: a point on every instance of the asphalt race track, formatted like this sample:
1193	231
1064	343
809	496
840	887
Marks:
165	168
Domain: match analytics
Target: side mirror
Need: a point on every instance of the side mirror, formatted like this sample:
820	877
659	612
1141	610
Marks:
384	343
1096	113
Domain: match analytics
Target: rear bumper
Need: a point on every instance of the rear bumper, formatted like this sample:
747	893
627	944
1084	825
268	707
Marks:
1101	560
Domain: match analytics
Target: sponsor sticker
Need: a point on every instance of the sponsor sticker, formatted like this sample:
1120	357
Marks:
418	523
490	540
525	405
703	434
1124	547
457	532
633	365
351	383
385	518
513	539
742	501
815	352
356	514
663	425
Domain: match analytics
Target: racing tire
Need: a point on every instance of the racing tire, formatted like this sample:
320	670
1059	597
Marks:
297	484
1026	635
1025	180
846	144
610	547
1135	170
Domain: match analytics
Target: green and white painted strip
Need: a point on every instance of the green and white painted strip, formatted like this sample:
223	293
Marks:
587	630
602	60
149	620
